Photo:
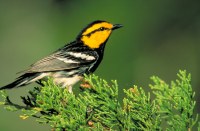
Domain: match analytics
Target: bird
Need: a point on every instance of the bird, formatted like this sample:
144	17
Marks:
67	65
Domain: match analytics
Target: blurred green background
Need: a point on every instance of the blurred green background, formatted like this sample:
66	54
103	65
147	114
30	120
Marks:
158	38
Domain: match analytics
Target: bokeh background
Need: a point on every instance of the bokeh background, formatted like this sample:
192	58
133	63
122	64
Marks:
158	38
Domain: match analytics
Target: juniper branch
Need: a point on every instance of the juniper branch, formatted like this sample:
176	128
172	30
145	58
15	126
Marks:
97	107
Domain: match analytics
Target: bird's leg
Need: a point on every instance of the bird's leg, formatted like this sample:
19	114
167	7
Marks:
69	88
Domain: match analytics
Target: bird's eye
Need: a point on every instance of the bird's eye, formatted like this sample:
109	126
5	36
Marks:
102	29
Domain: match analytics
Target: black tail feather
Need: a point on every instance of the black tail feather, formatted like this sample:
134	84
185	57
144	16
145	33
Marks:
21	81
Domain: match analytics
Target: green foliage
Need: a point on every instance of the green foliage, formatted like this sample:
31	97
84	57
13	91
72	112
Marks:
97	107
175	102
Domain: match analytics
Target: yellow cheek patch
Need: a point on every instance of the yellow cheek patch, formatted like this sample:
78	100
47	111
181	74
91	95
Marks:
97	26
96	39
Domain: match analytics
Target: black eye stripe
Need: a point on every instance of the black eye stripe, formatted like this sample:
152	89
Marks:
99	29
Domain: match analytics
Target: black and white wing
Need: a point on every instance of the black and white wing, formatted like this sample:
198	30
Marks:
61	60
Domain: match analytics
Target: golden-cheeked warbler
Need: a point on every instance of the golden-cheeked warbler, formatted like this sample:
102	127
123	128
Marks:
68	64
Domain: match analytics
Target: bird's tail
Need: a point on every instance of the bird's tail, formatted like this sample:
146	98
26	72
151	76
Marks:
22	80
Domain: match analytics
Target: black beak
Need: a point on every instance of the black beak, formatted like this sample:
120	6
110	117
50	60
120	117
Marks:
116	26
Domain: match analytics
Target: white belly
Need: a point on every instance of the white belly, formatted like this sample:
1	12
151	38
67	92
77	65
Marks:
61	78
65	81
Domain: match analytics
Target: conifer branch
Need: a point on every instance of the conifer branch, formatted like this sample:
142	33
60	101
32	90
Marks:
97	107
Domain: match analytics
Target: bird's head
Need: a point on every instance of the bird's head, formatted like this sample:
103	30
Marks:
96	33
